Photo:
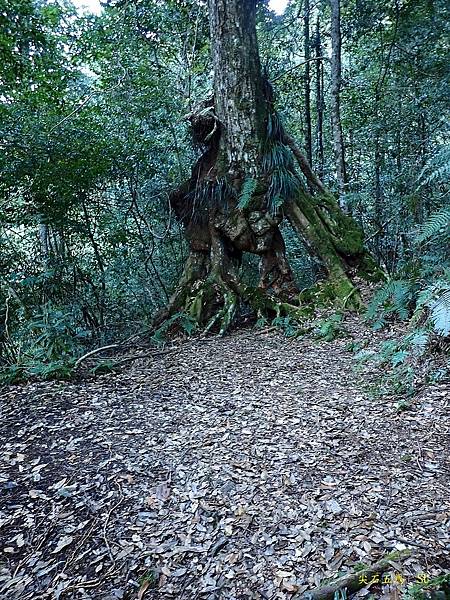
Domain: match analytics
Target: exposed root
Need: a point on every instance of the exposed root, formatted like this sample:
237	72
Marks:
226	314
209	302
213	303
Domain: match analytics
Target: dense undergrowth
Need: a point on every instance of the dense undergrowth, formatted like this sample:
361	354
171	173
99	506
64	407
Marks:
48	343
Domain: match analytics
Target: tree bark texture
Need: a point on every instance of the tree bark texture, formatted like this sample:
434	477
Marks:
307	82
320	103
336	77
238	87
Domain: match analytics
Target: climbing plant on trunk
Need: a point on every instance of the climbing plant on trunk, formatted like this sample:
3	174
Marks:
250	176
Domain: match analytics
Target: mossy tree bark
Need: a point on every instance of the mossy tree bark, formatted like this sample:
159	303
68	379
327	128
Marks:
243	186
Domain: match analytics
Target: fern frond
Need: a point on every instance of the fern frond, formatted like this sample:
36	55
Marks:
393	297
284	185
274	127
437	170
275	203
440	313
248	189
205	196
277	155
436	225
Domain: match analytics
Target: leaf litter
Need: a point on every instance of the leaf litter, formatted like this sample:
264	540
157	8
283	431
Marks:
236	468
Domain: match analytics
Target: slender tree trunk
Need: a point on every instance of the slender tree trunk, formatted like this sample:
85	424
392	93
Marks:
336	77
424	208
378	159
44	243
320	103
100	264
307	83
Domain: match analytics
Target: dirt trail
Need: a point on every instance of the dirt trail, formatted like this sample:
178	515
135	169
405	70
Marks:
237	468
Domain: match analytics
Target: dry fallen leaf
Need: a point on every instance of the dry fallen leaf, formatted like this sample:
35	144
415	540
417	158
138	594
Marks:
62	543
318	480
162	491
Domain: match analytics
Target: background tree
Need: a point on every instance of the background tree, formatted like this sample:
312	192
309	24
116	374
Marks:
336	76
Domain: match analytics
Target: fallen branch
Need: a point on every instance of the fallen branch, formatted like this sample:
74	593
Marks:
354	581
264	331
105	525
304	164
92	352
412	543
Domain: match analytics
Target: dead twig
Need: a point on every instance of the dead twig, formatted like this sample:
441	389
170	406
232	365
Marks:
379	230
105	525
411	543
92	352
83	101
302	64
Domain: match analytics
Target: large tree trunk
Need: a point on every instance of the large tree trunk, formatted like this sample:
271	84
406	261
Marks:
238	85
243	186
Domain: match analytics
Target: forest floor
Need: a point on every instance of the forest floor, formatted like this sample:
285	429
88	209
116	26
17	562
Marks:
250	466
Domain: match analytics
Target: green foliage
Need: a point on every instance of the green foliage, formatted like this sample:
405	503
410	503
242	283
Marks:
423	297
392	299
277	163
207	196
103	367
261	322
89	150
436	588
436	226
284	185
433	302
440	313
149	578
274	127
428	304
50	336
12	374
330	328
45	347
59	369
437	169
428	308
288	325
181	320
402	355
277	156
248	189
